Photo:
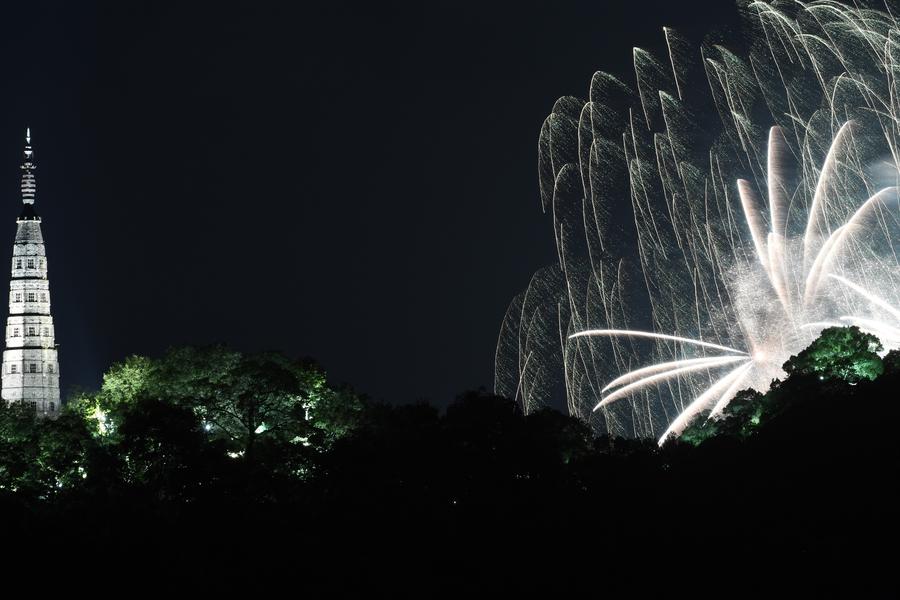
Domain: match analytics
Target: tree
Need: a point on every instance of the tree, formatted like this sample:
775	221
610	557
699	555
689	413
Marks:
18	449
40	458
163	449
557	436
251	402
891	362
839	353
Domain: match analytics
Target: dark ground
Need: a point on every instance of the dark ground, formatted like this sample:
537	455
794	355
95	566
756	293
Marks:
481	499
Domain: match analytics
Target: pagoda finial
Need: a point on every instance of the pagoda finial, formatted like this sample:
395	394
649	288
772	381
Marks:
29	186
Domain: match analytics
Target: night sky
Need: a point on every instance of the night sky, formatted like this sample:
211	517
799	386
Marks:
357	184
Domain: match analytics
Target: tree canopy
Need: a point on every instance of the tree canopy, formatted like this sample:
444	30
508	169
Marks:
839	352
244	400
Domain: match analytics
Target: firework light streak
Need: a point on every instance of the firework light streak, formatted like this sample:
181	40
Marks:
628	389
675	364
650	334
747	232
721	390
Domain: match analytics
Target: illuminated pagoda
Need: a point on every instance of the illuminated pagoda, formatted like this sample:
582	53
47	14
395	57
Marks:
30	362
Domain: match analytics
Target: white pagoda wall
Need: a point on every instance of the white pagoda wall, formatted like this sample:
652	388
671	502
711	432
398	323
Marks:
30	371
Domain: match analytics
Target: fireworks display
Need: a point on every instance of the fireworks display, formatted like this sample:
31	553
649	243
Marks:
712	218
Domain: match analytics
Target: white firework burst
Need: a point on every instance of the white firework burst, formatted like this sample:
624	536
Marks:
697	254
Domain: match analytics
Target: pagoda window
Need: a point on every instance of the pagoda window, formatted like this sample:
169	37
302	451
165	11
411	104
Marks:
31	296
41	264
32	368
31	331
43	297
30	263
13	369
18	263
15	332
46	332
18	297
52	406
49	368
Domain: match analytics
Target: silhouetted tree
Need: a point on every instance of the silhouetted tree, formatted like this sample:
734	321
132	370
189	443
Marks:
891	362
163	449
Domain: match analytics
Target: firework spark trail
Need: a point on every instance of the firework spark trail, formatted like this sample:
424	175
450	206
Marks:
650	334
837	239
753	215
813	228
726	397
651	369
867	295
714	393
744	236
659	377
878	327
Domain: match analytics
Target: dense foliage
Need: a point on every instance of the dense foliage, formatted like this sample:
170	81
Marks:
262	407
839	352
248	471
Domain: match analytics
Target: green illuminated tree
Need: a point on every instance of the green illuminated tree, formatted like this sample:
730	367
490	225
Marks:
18	446
839	353
41	458
843	353
740	418
250	401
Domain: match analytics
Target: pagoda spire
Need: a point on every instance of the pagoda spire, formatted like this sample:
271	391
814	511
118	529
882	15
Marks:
28	182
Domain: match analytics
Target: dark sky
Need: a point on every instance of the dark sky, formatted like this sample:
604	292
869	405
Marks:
355	183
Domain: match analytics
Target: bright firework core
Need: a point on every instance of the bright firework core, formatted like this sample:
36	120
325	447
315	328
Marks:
692	265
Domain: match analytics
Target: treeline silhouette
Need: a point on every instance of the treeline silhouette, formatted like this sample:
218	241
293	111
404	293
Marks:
226	471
